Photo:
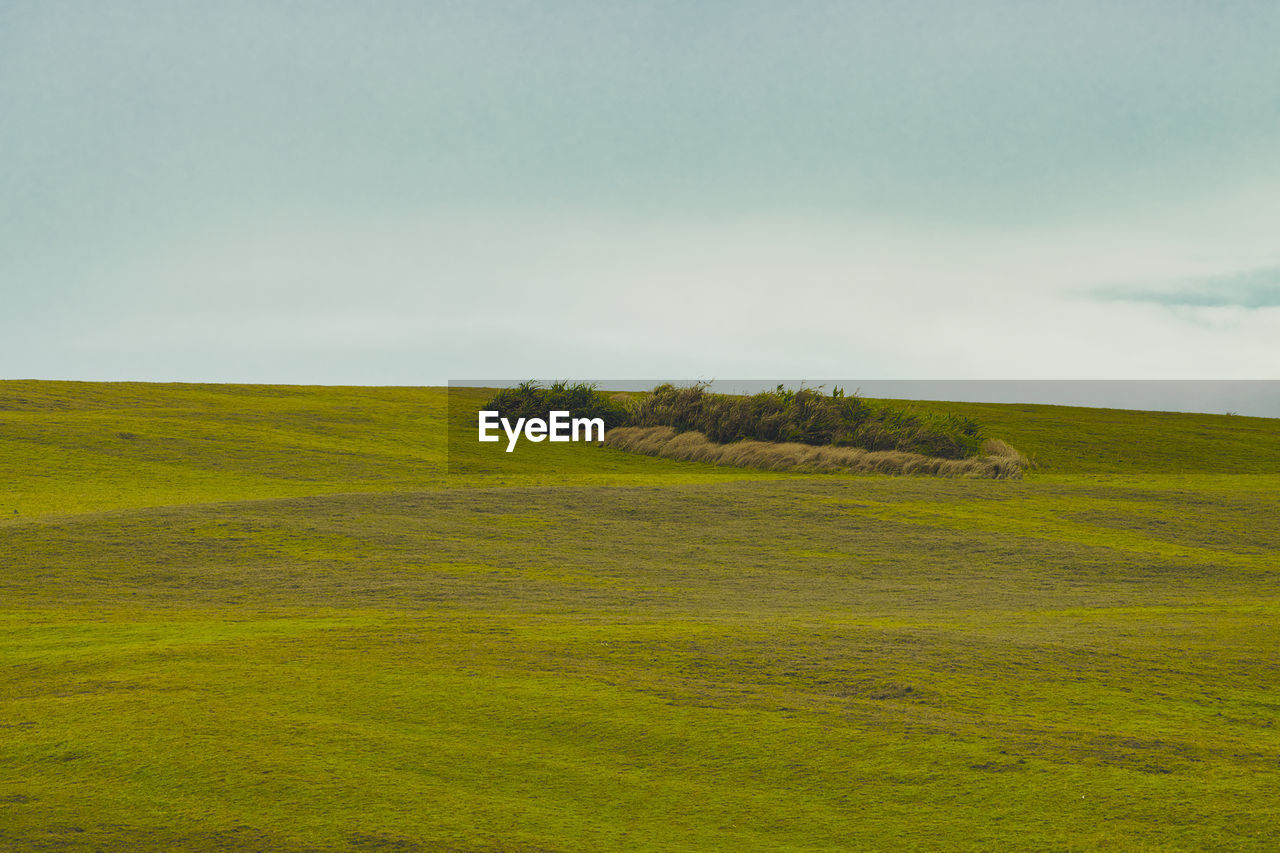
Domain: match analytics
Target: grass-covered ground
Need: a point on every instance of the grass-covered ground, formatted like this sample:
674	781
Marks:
237	617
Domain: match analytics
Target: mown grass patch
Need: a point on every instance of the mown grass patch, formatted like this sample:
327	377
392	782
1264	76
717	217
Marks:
545	732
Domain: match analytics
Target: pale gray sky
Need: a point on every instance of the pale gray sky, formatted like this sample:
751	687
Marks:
407	192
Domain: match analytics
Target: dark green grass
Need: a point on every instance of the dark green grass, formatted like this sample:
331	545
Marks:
618	653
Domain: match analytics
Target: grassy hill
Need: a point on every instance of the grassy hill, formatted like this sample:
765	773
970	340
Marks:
250	617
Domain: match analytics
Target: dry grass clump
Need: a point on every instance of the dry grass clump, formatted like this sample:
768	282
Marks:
998	462
996	447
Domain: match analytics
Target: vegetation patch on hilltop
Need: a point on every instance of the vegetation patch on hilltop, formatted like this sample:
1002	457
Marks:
807	416
779	430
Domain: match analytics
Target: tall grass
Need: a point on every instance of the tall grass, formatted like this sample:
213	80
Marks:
998	462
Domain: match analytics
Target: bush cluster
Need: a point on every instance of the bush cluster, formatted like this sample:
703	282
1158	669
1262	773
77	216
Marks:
806	416
582	399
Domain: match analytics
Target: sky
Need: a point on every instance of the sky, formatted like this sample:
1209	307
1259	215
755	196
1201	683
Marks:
412	192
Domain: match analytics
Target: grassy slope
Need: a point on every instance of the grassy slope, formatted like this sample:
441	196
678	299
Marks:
267	618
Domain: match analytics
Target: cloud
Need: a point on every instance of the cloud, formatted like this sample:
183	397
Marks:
1257	288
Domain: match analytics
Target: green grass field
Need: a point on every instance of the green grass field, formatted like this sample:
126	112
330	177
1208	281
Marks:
271	618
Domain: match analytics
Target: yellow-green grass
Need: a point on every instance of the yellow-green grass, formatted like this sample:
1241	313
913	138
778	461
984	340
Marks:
74	447
1070	440
308	636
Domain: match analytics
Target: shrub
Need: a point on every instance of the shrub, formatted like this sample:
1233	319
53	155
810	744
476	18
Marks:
803	416
581	399
806	416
